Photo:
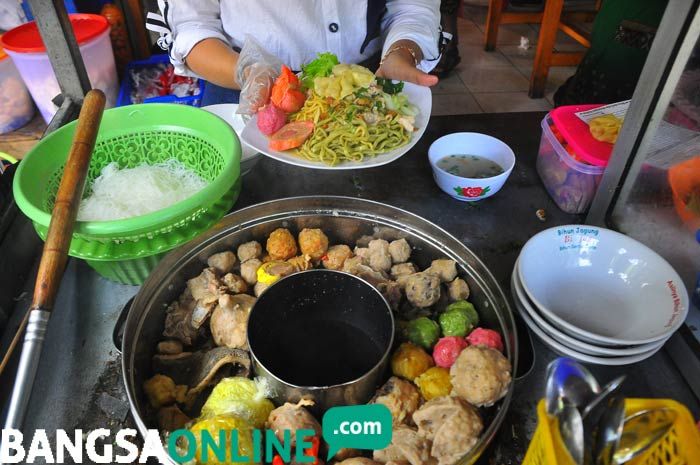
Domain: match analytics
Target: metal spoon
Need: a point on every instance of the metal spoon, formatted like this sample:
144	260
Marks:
568	382
609	388
609	431
641	430
571	430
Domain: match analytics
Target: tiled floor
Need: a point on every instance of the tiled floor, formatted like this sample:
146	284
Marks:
496	82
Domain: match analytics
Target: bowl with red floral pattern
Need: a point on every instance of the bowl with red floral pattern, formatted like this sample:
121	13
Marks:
470	166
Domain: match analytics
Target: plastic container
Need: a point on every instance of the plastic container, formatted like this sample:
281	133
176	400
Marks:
127	250
680	446
571	183
25	46
16	107
127	85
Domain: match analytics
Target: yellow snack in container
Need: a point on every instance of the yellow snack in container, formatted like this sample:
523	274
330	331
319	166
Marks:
605	128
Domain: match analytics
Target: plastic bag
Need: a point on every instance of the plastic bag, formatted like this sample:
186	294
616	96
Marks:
256	72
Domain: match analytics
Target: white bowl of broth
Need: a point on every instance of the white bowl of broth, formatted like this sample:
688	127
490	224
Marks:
470	166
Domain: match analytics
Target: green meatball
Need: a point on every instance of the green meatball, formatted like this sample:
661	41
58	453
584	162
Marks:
467	307
459	319
423	332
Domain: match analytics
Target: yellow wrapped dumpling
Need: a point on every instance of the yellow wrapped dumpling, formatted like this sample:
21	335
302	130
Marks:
605	128
242	397
226	423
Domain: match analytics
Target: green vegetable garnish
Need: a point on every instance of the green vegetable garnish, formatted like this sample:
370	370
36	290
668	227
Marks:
322	66
389	86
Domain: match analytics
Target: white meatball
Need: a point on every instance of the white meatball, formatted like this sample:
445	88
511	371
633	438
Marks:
458	290
444	268
249	250
400	251
249	270
222	262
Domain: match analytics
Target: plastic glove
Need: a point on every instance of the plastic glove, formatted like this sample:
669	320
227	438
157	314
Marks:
256	72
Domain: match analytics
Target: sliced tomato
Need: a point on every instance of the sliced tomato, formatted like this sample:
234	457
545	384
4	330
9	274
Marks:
291	135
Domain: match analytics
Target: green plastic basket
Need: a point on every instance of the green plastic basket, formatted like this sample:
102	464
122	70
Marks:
127	250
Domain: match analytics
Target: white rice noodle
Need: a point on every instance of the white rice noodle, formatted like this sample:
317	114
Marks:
125	193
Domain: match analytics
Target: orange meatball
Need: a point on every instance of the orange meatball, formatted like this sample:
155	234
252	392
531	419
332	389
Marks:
281	245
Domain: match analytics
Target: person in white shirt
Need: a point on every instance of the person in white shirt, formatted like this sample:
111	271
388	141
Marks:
203	37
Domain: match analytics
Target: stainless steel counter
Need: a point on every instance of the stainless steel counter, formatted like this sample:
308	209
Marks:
79	382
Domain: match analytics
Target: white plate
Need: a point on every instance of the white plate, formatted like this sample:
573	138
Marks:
227	112
601	286
575	344
420	96
569	352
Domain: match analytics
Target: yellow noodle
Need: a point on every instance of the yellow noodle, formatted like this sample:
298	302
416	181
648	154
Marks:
340	136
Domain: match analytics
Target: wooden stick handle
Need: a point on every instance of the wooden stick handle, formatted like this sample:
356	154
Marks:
65	210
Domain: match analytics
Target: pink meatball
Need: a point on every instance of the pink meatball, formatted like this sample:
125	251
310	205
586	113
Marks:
271	119
447	349
485	337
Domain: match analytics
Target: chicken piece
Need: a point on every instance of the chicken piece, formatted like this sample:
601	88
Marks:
363	253
379	257
314	243
336	256
392	293
351	264
234	283
458	290
281	245
301	262
205	287
403	269
444	268
371	276
171	418
198	370
451	424
291	417
356	461
406	446
178	320
229	322
400	251
480	375
400	397
160	390
259	288
169	347
249	270
223	262
422	289
249	250
201	313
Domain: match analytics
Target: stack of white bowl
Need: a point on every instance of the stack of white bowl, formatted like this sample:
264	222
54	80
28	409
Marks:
597	295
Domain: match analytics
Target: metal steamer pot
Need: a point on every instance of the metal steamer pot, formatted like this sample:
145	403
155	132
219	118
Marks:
344	220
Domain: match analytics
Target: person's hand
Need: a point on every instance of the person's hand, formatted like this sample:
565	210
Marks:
256	72
400	65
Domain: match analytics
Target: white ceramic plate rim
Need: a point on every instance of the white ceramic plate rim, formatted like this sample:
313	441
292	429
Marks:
593	336
573	343
225	111
418	95
562	349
